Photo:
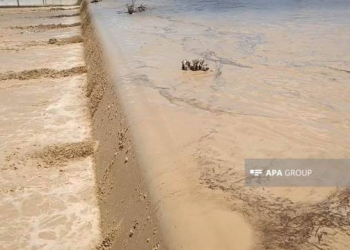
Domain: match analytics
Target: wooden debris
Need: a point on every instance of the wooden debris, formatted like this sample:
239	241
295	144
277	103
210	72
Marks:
195	65
95	1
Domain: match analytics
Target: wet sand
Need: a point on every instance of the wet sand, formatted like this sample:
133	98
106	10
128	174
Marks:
47	181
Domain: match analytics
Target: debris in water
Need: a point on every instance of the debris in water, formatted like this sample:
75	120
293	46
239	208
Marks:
133	9
95	1
141	8
195	65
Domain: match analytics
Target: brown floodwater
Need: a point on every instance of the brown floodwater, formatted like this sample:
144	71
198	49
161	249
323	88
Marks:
278	87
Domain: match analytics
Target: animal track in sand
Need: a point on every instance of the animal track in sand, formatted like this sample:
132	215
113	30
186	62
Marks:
42	73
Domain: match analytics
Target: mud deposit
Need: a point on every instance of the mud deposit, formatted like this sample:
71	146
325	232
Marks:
61	8
60	154
68	40
43	27
51	41
42	73
61	16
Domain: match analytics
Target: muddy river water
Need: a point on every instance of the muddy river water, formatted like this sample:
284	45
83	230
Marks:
278	87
